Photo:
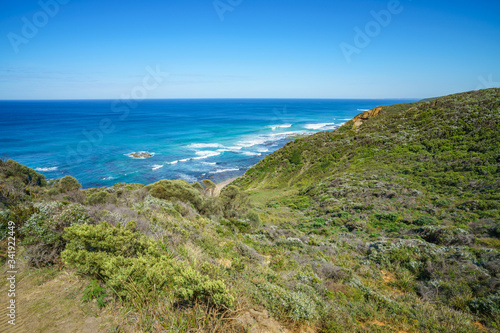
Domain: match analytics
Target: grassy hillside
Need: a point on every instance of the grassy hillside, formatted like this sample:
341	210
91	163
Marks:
388	224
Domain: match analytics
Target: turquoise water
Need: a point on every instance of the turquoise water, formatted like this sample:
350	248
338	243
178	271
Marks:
189	139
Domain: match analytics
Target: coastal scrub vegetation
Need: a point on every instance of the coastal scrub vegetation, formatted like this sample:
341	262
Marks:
389	223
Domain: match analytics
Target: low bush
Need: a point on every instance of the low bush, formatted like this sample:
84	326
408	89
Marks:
125	260
17	182
234	201
176	190
292	305
99	197
444	235
43	232
486	306
424	220
68	183
94	291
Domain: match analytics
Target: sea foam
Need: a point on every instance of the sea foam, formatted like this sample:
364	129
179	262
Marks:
318	126
275	127
266	138
46	169
224	170
205	154
205	145
250	153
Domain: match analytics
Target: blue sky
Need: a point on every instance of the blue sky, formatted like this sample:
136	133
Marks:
85	49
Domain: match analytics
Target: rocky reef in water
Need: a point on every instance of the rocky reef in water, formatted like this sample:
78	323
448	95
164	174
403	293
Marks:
141	154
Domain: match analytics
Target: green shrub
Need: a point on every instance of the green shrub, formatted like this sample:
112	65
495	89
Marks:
13	169
295	305
389	221
104	238
211	206
53	191
343	215
387	217
197	186
424	220
444	235
176	190
18	214
236	224
486	306
234	201
295	157
43	231
210	186
398	254
18	182
126	260
98	198
254	218
94	291
68	183
332	327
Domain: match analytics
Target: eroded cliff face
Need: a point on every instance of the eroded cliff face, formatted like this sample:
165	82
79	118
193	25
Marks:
361	118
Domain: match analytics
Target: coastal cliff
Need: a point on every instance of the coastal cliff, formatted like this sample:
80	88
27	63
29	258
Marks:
361	118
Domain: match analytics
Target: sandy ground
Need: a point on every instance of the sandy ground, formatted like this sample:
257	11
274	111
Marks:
221	185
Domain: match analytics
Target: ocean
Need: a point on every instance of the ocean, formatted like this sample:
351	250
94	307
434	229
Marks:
217	139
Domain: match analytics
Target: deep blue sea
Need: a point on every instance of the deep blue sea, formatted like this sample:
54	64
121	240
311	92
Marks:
189	139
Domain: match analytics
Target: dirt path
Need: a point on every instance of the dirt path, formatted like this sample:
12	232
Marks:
50	301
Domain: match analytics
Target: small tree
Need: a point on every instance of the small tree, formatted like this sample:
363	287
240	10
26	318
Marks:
197	186
235	202
210	186
68	183
176	189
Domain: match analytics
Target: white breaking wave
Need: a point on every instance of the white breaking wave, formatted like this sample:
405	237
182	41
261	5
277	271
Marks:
249	153
318	125
157	166
363	109
46	169
205	154
205	145
209	163
202	154
274	127
224	170
188	178
108	178
230	148
265	138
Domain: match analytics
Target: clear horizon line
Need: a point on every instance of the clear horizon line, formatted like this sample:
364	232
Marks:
212	98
